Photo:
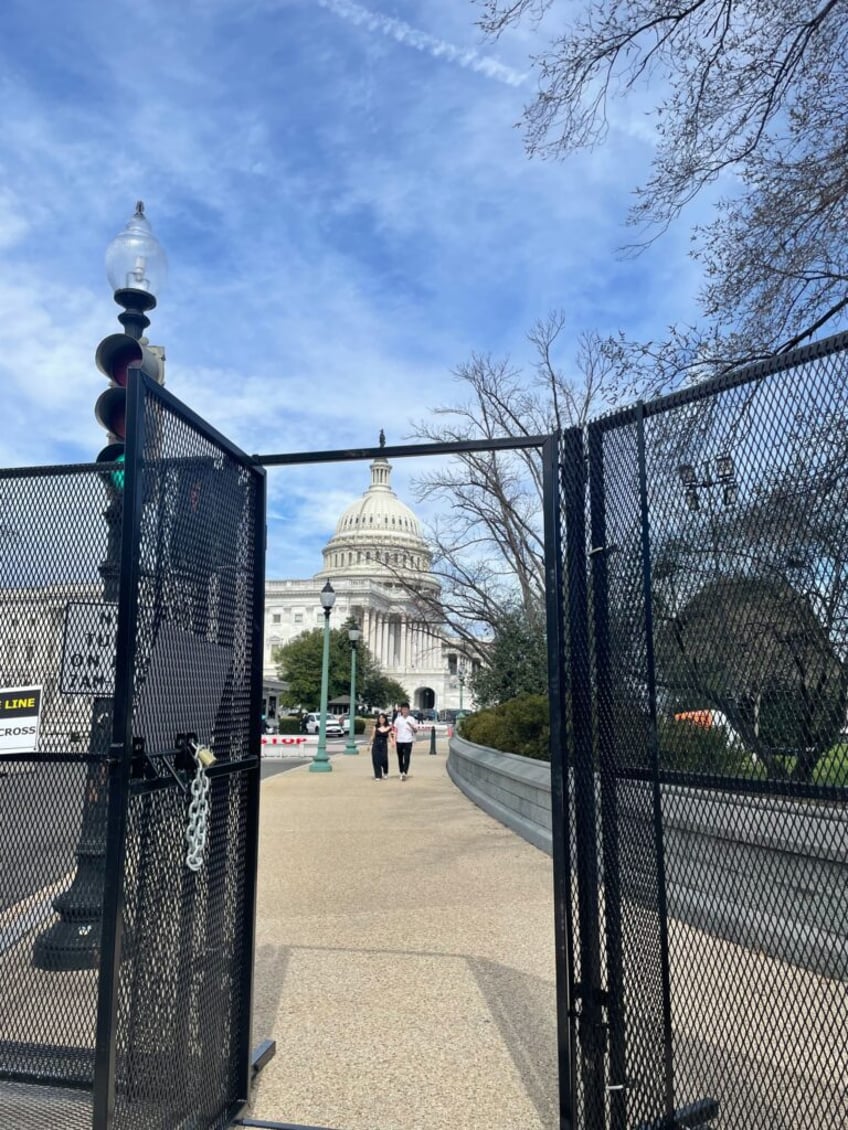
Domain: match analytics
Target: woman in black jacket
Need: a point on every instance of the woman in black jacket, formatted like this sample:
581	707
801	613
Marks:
383	734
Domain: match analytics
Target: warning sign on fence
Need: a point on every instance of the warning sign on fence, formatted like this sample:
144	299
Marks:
20	711
88	648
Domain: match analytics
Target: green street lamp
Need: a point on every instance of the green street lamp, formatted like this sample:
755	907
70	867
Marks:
353	634
460	672
321	762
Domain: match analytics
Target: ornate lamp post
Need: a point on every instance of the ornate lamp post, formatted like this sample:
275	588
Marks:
136	267
321	762
353	634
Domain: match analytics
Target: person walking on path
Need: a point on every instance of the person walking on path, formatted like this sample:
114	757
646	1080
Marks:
380	747
405	728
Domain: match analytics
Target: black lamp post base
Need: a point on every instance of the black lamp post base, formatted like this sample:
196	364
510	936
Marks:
68	946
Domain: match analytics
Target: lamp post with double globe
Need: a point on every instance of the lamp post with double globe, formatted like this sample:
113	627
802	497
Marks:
353	634
321	762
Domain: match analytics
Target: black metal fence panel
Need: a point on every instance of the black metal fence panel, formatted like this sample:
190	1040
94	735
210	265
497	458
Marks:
130	638
56	668
719	612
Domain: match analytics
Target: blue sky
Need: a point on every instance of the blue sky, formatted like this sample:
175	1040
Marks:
347	211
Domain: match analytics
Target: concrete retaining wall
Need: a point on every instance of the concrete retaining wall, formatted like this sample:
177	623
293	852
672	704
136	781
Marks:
780	864
512	789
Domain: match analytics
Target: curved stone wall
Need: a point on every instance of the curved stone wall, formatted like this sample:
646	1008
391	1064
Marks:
779	862
514	790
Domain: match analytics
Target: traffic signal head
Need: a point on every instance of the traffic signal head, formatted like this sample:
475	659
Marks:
118	353
115	356
114	453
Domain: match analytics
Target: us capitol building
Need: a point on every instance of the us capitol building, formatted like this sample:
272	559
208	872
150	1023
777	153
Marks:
377	545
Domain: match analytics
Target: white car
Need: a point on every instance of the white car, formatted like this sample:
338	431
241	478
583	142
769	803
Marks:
312	722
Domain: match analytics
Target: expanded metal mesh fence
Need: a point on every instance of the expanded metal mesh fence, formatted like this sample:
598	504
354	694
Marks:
718	612
57	627
183	1024
130	638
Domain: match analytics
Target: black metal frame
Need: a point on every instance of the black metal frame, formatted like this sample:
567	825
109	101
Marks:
589	779
555	476
124	775
614	773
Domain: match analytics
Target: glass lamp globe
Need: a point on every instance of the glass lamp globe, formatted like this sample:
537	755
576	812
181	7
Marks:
135	259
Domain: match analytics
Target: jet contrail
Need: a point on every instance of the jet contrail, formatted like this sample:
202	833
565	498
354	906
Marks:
411	37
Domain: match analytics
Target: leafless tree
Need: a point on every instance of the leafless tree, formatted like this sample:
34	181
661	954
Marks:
756	91
489	543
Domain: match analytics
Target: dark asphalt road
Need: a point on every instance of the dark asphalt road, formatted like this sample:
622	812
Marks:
272	766
40	813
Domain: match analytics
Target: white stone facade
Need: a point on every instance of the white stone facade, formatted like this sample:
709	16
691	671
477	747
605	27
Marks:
377	542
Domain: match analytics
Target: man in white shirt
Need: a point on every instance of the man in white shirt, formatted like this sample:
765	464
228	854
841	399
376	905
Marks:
405	728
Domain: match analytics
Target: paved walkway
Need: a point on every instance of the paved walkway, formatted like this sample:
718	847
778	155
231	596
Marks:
405	956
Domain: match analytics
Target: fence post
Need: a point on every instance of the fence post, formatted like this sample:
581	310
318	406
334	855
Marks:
591	1030
560	801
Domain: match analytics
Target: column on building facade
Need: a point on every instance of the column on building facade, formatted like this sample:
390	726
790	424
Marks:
404	654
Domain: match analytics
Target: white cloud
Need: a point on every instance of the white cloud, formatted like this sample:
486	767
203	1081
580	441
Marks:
410	36
345	222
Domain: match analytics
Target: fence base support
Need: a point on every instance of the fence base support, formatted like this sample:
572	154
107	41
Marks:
694	1116
276	1126
262	1055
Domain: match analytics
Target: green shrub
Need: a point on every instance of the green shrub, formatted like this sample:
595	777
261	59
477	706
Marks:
288	724
520	725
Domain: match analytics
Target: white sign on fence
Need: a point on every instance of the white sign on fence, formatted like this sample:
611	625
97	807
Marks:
20	711
88	648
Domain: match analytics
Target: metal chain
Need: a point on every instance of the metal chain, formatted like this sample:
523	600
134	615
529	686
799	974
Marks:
198	812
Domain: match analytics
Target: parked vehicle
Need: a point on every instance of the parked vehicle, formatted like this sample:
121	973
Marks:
312	723
712	720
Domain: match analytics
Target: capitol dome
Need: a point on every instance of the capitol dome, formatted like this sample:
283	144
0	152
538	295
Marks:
377	535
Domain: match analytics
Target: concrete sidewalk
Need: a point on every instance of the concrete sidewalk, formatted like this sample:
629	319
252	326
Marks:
405	956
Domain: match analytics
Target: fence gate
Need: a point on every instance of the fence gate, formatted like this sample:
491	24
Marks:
131	638
707	815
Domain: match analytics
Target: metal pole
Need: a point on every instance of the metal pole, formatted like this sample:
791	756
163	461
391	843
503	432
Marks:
607	757
351	728
321	762
592	1027
560	817
650	671
118	768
